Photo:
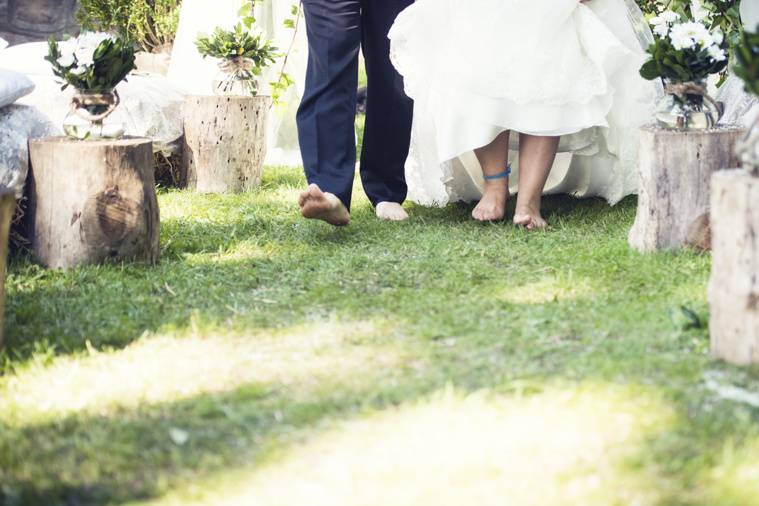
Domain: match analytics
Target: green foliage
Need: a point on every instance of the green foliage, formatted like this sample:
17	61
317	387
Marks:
747	60
650	7
151	24
239	42
279	87
725	14
679	65
242	42
112	60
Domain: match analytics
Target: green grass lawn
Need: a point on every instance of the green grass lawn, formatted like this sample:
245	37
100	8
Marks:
273	361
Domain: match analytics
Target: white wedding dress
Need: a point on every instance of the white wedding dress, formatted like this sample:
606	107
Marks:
741	107
195	74
542	67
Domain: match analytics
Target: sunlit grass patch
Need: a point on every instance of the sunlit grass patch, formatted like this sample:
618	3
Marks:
561	446
547	289
263	343
160	369
734	481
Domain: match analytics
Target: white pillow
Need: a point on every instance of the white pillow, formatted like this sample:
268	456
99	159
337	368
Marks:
27	59
3	43
13	86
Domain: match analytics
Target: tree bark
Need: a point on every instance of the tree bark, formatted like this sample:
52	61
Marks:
224	143
7	209
674	171
734	285
92	201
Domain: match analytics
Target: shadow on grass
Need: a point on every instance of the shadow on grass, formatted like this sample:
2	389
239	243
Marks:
213	269
130	455
484	307
133	454
144	452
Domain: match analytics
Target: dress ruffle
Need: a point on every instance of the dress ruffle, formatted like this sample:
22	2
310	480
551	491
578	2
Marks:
542	67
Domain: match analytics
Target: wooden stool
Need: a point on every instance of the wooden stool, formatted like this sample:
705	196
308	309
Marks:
675	170
734	285
92	201
224	142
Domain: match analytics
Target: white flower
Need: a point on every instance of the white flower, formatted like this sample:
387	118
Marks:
66	59
661	30
704	38
91	39
669	16
66	49
688	35
681	37
698	11
85	56
718	37
717	53
86	45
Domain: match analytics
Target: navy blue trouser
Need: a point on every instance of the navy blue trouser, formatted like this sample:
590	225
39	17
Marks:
337	29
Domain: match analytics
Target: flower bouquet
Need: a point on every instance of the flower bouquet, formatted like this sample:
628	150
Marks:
94	64
684	54
242	55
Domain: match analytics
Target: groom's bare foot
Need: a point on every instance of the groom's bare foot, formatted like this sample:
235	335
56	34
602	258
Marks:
318	205
529	217
391	211
492	206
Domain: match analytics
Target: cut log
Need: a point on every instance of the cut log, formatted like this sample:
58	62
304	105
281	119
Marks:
734	285
224	143
7	209
674	172
92	201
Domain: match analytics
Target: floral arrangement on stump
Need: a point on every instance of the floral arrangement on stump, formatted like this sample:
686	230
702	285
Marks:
723	14
747	68
93	64
242	56
687	49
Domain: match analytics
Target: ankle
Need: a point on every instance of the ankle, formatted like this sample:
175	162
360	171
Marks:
497	185
531	204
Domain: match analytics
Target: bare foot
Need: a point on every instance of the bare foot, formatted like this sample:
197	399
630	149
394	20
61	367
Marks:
391	211
529	217
492	206
318	205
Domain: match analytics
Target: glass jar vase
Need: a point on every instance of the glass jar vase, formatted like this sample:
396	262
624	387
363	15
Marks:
688	106
88	117
236	78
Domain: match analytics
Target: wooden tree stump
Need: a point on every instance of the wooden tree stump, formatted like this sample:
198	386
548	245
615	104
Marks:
734	285
675	170
92	201
7	208
224	143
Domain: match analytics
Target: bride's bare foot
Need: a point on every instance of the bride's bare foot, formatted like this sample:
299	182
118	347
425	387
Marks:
318	205
529	217
391	211
492	206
